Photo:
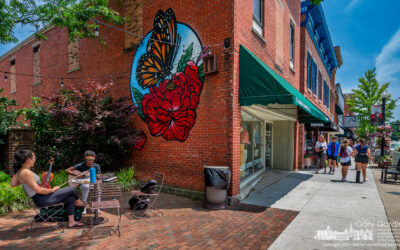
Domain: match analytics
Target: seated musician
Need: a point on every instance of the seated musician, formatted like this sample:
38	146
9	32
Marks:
90	157
24	160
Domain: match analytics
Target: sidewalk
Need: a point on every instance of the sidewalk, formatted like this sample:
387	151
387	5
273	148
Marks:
354	211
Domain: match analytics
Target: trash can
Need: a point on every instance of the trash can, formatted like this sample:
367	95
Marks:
217	180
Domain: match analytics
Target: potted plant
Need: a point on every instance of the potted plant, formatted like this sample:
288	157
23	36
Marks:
307	160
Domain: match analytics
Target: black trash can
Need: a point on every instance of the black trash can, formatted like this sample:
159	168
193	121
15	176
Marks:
217	180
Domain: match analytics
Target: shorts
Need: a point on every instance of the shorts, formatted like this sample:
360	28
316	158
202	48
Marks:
332	157
347	163
361	158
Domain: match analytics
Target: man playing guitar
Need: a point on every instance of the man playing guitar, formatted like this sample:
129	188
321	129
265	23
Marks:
76	170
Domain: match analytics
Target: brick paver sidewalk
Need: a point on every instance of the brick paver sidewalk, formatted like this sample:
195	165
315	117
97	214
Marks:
185	225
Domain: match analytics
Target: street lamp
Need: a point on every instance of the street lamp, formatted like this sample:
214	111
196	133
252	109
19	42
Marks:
384	95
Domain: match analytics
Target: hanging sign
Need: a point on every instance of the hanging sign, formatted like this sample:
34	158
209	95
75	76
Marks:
350	122
376	115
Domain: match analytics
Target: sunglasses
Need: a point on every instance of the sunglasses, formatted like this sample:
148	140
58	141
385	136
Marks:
89	159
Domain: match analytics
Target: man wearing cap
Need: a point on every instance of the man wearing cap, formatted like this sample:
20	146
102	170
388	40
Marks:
333	151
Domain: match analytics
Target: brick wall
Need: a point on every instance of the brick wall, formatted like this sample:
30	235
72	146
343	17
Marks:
17	139
215	138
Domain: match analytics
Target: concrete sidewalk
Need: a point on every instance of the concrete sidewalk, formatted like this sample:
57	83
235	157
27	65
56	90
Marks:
333	214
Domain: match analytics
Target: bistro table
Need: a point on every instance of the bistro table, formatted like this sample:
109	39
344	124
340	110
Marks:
100	178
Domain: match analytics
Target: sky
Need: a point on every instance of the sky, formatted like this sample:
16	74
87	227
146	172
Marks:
367	31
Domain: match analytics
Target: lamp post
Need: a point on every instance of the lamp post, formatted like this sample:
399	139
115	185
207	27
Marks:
384	95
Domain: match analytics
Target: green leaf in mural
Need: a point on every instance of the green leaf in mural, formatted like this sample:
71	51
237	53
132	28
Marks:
201	73
185	57
138	98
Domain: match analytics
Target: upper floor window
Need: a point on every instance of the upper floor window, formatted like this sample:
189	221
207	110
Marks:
319	85
309	59
291	43
326	94
36	49
258	11
314	78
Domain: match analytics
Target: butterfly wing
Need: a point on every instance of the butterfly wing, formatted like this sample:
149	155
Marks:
148	70
156	64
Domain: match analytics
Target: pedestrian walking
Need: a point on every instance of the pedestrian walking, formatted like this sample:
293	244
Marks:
345	160
333	151
320	149
362	153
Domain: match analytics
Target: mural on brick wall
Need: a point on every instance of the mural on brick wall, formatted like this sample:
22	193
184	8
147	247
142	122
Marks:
167	77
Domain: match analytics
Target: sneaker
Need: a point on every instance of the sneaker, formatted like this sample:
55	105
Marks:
344	180
84	211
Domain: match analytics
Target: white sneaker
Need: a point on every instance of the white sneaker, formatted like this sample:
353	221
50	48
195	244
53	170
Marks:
84	211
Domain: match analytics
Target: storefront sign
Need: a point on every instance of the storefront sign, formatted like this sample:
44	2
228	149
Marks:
350	122
376	115
314	125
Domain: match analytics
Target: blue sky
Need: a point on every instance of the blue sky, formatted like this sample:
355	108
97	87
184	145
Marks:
368	32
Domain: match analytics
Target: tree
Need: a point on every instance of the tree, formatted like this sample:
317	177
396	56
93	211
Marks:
8	115
396	130
75	15
80	119
368	93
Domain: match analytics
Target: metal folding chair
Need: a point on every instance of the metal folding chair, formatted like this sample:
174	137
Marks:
46	215
104	196
149	199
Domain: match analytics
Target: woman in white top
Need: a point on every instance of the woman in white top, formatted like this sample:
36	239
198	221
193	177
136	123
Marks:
320	149
345	160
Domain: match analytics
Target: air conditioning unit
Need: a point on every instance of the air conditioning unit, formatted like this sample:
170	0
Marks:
210	64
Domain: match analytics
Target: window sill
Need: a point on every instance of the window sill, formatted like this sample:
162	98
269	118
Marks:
309	90
37	83
258	35
291	67
13	92
73	70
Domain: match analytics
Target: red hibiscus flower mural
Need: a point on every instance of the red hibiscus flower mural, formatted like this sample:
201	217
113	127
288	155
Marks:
170	107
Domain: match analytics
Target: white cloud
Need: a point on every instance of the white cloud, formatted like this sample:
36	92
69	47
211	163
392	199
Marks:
352	5
387	65
387	62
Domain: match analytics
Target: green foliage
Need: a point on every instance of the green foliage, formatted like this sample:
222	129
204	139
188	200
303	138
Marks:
59	178
75	15
4	177
12	198
8	114
368	93
185	58
80	119
316	2
396	130
125	177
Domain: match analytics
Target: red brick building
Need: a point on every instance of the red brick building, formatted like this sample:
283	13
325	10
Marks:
319	62
246	112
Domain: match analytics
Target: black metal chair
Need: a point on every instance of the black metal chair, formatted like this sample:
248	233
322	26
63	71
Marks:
104	196
392	170
45	215
149	198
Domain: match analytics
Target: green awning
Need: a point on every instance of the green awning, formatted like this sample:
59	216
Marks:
259	84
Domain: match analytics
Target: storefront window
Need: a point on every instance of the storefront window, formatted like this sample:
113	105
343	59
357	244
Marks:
268	145
251	145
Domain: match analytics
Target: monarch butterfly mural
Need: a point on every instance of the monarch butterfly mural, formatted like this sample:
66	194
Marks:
167	77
